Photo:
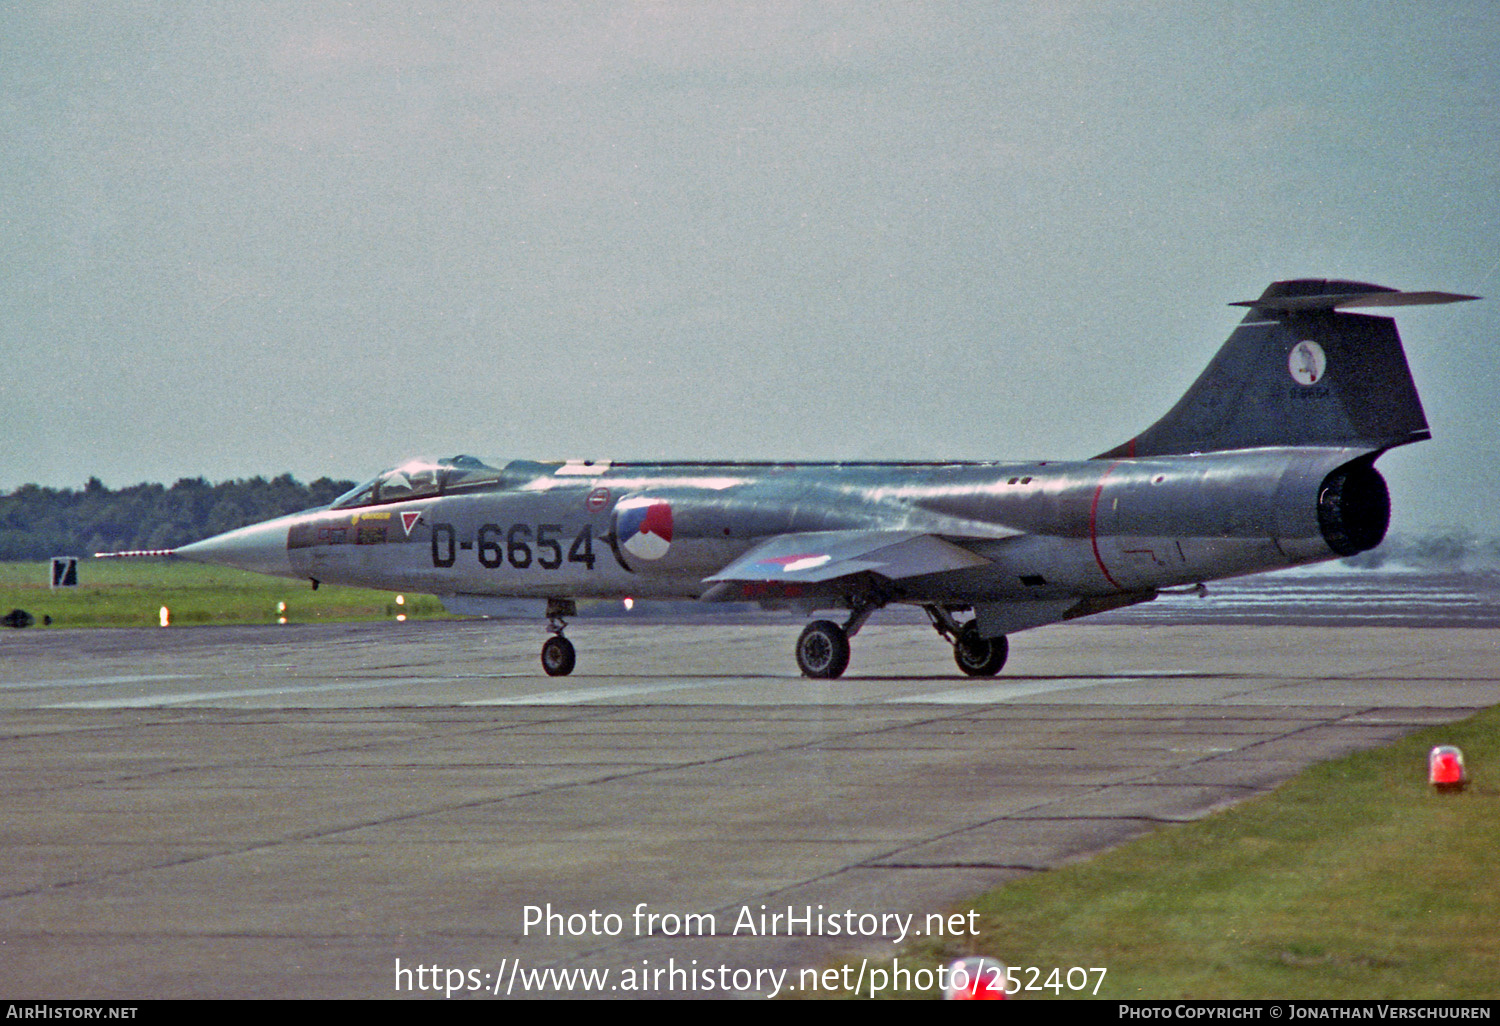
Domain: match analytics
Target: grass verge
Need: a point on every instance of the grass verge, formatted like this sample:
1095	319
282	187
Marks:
1355	880
120	593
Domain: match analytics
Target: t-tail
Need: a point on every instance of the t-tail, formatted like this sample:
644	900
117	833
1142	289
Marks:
1299	372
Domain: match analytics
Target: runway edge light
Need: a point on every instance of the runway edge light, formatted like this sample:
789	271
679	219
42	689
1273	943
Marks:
976	978
1445	768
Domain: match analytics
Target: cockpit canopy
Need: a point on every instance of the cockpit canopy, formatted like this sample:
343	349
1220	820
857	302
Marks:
418	479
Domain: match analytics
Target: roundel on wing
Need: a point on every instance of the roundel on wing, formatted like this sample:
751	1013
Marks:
644	527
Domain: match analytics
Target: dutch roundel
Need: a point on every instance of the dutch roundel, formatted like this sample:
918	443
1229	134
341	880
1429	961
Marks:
644	527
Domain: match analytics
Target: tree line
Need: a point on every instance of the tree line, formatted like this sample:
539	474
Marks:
37	522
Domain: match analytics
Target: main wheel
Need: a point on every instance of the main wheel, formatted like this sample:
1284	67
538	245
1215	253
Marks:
823	650
979	657
558	656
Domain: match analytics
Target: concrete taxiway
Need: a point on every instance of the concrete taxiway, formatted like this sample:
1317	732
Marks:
305	811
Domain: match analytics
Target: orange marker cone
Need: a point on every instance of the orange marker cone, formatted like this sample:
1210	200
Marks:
1445	768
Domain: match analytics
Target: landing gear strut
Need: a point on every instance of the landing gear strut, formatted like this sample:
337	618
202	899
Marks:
979	657
823	648
558	654
976	656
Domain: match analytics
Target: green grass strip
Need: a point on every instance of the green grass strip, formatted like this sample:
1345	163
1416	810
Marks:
1355	880
130	593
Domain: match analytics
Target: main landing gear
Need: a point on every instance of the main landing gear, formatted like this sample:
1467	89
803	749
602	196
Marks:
558	654
976	656
823	648
979	657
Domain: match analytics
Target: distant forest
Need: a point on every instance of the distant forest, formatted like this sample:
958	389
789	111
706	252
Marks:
37	523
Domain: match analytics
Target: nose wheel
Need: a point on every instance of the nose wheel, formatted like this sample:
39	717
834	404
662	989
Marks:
558	654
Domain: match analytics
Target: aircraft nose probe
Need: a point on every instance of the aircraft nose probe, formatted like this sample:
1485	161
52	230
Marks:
260	548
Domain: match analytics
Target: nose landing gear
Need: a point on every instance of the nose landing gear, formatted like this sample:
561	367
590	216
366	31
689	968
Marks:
558	654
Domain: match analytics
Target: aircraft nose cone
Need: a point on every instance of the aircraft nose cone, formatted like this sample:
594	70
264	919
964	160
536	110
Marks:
258	547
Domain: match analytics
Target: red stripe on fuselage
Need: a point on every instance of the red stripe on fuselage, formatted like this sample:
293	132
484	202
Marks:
1094	525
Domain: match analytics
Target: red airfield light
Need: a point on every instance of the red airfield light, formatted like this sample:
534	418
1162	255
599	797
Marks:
1445	768
976	978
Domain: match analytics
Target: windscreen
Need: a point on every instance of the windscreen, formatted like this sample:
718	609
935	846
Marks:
418	479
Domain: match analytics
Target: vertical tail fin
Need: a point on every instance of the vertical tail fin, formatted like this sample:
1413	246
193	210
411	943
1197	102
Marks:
1297	372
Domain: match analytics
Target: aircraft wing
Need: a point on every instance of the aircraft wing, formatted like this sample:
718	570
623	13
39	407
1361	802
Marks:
819	556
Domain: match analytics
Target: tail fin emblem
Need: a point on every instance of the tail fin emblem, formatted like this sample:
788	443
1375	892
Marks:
1307	363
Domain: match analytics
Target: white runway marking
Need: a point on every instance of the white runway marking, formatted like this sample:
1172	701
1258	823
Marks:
990	694
79	682
154	701
577	696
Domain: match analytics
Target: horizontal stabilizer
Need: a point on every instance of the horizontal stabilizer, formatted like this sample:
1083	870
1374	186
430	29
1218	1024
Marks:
1368	295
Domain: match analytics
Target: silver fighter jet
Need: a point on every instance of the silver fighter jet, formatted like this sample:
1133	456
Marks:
1267	462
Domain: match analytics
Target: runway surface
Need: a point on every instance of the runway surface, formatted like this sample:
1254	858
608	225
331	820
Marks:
310	811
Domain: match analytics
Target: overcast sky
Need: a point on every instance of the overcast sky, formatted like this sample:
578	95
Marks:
321	238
